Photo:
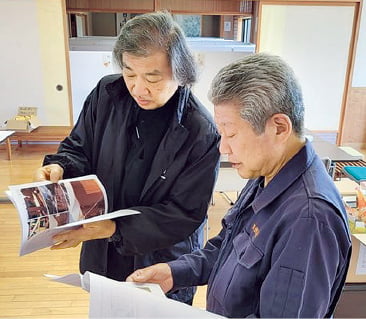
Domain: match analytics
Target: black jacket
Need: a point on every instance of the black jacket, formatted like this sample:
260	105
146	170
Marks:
175	197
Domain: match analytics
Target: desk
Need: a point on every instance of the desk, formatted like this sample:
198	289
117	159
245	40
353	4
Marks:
351	303
228	180
43	134
40	134
336	154
326	149
5	136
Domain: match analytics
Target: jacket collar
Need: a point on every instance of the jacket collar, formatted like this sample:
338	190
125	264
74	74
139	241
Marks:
292	170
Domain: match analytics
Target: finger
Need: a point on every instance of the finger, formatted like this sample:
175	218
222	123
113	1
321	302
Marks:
56	173
137	276
59	238
40	175
51	172
67	236
98	230
65	244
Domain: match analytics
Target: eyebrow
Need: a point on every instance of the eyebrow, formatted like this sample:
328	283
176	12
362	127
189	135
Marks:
154	72
126	66
224	124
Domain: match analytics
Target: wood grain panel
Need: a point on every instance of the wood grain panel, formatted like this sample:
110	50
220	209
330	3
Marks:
206	6
175	6
354	127
24	291
110	5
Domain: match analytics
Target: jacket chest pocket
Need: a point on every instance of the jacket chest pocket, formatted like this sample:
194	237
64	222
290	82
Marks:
237	280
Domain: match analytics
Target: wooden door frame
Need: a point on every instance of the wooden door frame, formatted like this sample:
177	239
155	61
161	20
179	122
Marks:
67	57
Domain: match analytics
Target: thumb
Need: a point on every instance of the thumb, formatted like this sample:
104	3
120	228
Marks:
39	175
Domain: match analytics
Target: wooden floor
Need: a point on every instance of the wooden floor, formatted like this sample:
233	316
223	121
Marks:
24	291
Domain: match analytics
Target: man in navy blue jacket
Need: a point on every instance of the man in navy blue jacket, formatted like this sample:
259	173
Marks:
284	247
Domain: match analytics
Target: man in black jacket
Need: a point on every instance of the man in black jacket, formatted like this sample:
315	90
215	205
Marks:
153	146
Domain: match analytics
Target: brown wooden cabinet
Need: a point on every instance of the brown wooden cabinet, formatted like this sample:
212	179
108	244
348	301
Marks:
175	6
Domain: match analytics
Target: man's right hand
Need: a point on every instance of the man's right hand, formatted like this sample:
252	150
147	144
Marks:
159	274
51	172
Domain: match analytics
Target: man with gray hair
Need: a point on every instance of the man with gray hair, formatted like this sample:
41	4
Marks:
150	142
284	248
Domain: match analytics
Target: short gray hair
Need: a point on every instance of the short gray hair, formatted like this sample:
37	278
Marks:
145	33
262	85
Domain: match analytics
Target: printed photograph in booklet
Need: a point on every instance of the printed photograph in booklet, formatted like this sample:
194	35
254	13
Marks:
46	208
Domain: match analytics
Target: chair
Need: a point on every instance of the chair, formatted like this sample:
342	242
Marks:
329	166
228	180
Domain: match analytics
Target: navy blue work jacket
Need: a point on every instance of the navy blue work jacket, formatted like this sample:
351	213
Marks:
283	250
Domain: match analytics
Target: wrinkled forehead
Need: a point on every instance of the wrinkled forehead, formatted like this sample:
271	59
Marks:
157	61
227	113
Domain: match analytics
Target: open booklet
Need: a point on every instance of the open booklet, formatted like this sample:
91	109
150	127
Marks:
114	299
46	208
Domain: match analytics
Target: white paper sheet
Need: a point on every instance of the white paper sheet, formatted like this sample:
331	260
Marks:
361	261
44	239
114	299
5	134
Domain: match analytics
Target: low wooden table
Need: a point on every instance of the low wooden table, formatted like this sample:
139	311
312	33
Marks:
5	136
42	134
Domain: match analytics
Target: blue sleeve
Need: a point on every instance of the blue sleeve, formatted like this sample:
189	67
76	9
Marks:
195	269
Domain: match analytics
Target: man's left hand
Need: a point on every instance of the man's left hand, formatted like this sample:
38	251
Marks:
96	230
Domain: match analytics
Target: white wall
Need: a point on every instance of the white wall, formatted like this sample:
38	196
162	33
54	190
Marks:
314	40
20	63
87	67
210	63
33	60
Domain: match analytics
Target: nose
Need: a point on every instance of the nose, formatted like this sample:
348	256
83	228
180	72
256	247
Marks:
224	146
139	87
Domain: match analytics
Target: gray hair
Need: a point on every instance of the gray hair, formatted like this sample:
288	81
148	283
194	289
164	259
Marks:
145	33
263	85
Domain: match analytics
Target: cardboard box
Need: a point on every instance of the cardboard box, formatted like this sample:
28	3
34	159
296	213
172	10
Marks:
358	257
346	186
25	121
356	212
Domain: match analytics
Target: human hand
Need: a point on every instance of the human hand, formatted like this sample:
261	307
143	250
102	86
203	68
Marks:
89	231
159	274
51	172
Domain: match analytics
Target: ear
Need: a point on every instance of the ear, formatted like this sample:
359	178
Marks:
281	125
